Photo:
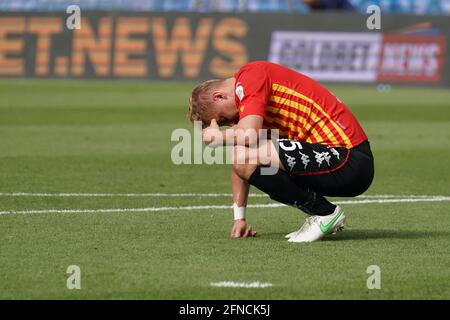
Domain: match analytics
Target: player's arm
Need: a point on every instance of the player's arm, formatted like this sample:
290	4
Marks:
240	189
245	132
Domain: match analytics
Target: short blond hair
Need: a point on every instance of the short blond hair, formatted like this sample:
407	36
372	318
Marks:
201	100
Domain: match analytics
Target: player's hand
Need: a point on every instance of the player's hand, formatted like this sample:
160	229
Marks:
212	135
240	229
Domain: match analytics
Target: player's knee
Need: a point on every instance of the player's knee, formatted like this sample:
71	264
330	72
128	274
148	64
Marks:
245	161
244	171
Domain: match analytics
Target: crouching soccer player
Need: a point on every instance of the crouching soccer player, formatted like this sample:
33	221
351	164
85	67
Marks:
322	150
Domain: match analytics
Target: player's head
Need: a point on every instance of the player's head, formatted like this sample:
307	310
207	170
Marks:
214	99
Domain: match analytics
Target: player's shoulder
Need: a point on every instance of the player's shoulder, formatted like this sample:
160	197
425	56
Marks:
257	65
254	69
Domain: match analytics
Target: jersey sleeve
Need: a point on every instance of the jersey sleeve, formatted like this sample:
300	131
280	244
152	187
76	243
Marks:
252	92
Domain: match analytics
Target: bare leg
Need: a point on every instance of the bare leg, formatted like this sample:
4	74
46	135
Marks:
248	165
246	160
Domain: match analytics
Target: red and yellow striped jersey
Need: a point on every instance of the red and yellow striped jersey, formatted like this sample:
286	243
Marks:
299	107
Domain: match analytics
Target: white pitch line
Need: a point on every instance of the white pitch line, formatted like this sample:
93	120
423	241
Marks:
150	209
178	195
233	284
184	208
399	200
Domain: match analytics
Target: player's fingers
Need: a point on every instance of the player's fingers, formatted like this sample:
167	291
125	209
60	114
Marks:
214	123
247	232
235	233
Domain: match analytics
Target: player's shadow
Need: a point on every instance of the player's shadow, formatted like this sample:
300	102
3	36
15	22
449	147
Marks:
364	234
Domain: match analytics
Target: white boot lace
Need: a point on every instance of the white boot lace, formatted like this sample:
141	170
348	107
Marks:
309	221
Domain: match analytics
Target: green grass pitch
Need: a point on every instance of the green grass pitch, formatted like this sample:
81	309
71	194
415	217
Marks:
114	137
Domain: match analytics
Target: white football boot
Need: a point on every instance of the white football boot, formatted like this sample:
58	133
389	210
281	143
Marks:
316	227
290	235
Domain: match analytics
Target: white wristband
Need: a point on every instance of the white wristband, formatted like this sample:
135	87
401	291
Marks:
239	212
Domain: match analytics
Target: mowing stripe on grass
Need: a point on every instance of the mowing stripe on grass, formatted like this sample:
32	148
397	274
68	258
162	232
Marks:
268	205
233	284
